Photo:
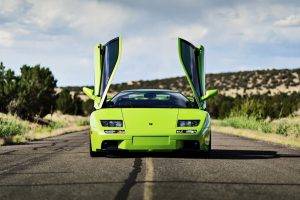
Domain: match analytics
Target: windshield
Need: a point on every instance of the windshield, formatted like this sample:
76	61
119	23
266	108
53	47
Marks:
149	99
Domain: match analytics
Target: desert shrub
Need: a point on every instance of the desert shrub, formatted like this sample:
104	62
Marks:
36	95
257	106
247	107
56	125
8	87
9	127
282	129
242	122
77	104
64	102
285	126
88	106
220	106
266	127
83	122
68	104
246	122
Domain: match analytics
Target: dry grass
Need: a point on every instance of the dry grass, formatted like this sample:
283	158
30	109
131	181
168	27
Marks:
23	131
285	131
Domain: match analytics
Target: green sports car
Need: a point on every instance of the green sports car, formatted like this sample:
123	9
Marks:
149	119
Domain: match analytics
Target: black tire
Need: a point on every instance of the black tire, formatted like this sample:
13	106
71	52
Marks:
92	153
209	146
208	150
95	153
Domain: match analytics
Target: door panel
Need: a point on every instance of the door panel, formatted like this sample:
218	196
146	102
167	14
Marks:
192	61
111	53
106	62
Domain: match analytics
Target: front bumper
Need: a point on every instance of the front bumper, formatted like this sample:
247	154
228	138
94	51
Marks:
136	142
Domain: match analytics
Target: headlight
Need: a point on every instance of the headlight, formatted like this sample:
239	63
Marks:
188	123
206	124
111	123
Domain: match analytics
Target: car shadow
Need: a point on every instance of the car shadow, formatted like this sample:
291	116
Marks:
214	154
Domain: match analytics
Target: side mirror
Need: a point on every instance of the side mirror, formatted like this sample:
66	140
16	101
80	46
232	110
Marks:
209	94
191	99
109	98
89	92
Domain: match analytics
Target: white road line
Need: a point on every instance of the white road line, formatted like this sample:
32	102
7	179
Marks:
148	179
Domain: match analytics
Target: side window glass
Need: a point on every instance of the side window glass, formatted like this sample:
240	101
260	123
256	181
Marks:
190	63
111	53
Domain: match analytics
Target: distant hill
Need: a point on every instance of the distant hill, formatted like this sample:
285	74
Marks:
271	81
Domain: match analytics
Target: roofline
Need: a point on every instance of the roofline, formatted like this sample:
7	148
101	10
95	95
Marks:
147	89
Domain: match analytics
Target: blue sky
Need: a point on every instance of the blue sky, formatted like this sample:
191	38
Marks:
61	34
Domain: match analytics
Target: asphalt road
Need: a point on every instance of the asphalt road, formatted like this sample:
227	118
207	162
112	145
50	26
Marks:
60	168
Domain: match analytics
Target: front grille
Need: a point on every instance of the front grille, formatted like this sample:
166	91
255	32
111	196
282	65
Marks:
191	145
110	145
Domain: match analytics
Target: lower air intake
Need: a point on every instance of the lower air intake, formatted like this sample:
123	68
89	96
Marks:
191	145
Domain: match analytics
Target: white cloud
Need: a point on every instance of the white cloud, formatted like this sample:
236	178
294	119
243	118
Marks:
61	34
104	18
9	6
85	62
90	18
291	20
6	39
190	32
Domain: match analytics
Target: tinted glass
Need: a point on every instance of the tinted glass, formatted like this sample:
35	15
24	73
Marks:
111	53
190	62
149	99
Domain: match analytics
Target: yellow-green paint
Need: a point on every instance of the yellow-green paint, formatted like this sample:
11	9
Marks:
209	94
140	135
97	68
187	76
201	70
147	129
112	74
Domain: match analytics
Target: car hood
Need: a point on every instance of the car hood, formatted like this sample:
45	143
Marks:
150	118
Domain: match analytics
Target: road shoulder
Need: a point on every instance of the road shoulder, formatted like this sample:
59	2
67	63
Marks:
291	142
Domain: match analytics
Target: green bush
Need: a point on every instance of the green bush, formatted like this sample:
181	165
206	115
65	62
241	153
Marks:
285	127
242	122
220	106
64	101
83	122
245	122
88	106
11	127
266	127
8	87
36	94
56	125
68	104
257	106
77	104
282	129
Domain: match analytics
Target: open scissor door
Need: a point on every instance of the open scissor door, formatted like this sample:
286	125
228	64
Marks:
106	59
192	60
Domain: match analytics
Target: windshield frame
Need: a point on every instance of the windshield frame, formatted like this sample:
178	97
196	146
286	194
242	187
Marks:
189	104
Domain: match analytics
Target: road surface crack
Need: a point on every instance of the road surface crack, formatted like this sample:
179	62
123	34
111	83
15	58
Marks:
131	180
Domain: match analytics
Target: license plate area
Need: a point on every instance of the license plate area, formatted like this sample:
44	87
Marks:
150	141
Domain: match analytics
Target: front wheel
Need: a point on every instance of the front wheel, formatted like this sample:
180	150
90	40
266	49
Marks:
208	149
209	145
95	153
